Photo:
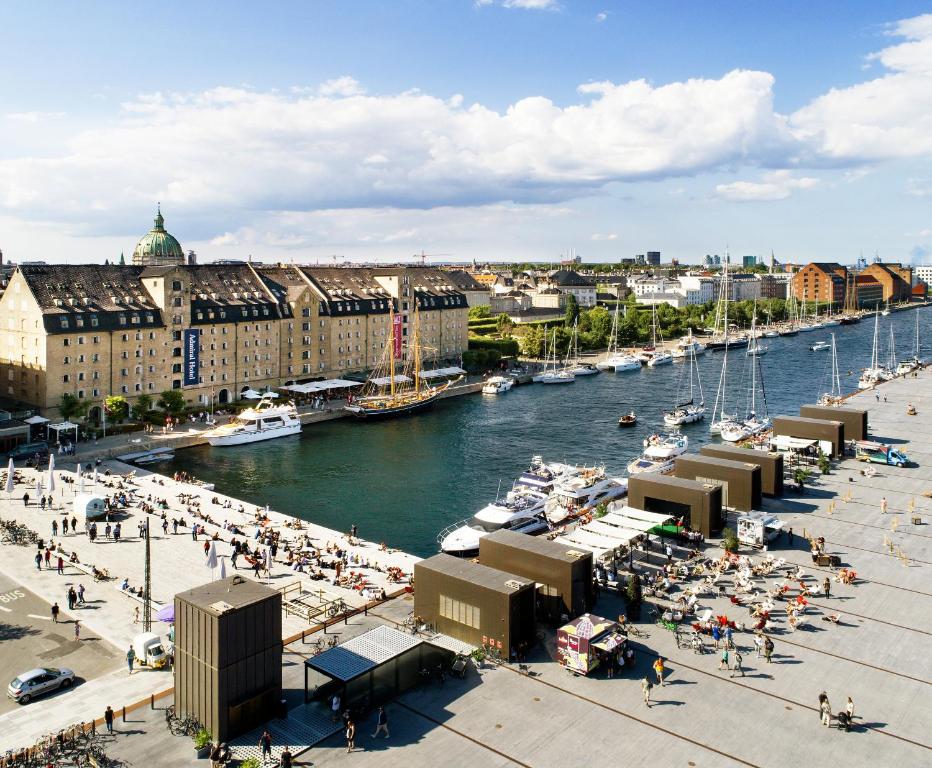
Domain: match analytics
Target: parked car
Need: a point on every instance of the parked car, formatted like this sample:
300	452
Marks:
37	682
26	451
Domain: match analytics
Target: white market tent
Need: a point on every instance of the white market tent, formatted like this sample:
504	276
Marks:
657	518
438	372
321	386
623	535
386	380
64	426
33	420
623	521
787	443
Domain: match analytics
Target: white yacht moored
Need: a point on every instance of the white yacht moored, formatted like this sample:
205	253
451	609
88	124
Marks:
263	422
660	452
495	385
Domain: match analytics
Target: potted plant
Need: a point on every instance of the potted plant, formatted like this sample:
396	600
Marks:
730	541
250	762
202	743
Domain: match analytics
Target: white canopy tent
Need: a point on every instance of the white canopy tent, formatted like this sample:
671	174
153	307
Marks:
600	549
384	381
33	420
657	518
438	372
321	386
787	443
623	535
623	521
64	426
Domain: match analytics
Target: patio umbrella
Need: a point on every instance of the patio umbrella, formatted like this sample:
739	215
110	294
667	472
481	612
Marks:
39	486
9	477
95	477
251	394
212	556
166	614
51	473
270	394
80	479
223	567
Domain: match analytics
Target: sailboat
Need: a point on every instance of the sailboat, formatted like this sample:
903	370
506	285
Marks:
752	423
554	375
576	366
833	397
617	360
755	348
406	393
886	309
658	356
910	364
721	336
719	417
687	411
876	373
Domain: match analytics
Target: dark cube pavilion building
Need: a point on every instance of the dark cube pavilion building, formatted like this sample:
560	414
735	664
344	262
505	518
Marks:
699	503
740	481
770	463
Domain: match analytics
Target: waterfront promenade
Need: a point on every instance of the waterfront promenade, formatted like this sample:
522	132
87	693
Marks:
877	653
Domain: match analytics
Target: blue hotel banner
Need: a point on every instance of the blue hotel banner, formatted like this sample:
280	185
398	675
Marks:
191	356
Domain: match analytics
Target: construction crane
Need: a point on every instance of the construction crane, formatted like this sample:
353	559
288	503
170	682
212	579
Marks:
423	256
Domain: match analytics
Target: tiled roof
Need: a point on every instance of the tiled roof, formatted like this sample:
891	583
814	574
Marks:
462	280
569	277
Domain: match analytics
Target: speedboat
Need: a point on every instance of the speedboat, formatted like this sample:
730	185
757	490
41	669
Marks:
756	349
628	420
660	357
686	346
907	366
583	369
519	512
263	422
820	346
495	385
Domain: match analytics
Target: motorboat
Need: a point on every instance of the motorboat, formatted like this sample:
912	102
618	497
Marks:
686	346
521	513
756	350
588	488
541	476
659	357
583	369
628	420
495	385
266	421
153	457
660	452
820	346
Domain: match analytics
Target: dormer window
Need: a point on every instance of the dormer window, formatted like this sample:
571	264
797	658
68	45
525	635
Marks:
64	322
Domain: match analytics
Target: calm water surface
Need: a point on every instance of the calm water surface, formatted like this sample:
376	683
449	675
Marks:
402	481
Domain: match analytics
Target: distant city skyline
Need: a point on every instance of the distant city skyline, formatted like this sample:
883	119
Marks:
489	130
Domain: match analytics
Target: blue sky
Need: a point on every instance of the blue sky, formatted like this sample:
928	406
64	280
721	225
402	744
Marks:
499	129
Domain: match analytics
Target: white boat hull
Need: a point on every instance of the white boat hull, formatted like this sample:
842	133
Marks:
254	436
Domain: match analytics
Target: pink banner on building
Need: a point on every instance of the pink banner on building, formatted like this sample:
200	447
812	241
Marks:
396	336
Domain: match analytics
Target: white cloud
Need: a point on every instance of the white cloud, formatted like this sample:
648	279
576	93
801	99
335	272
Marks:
600	17
887	117
341	86
777	185
239	149
598	237
226	239
33	117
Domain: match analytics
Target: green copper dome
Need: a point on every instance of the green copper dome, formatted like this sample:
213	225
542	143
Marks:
158	247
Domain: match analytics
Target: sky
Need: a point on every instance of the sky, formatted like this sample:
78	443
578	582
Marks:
502	130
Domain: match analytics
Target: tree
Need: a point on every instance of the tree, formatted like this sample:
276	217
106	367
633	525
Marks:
572	311
633	596
172	401
482	312
825	464
72	407
504	324
532	342
116	407
143	406
600	325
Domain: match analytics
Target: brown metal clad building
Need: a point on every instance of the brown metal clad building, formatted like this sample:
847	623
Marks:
830	431
699	503
563	575
854	419
228	654
770	463
475	603
740	480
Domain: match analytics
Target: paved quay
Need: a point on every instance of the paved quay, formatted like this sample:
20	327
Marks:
877	652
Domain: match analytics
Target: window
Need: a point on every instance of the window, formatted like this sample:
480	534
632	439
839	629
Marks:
176	368
460	612
64	322
176	352
176	335
66	378
176	302
66	342
176	383
176	285
66	360
80	339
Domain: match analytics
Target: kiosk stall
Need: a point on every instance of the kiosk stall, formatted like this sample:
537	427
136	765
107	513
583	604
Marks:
588	642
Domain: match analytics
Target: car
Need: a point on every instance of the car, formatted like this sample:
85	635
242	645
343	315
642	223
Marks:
39	681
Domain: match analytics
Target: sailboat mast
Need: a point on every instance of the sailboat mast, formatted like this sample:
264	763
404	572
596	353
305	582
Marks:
836	381
391	352
417	347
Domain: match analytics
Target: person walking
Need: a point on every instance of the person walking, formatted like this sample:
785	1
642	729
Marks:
48	558
723	661
136	615
736	664
72	598
758	645
54	528
849	710
350	736
883	506
130	658
287	759
38	561
826	712
25	499
382	723
265	744
658	669
55	610
827	586
81	594
116	532
165	527
768	649
646	686
108	529
716	635
61	566
108	718
74	525
728	640
194	531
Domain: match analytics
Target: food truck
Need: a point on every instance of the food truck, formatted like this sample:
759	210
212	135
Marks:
587	642
757	528
879	453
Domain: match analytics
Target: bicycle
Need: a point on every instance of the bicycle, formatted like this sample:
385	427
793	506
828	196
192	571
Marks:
336	607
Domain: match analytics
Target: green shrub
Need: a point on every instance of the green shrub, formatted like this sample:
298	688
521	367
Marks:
202	738
251	762
507	347
730	540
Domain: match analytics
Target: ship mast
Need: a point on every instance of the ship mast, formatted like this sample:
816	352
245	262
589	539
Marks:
391	352
417	347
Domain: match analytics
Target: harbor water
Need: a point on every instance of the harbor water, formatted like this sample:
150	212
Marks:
402	481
